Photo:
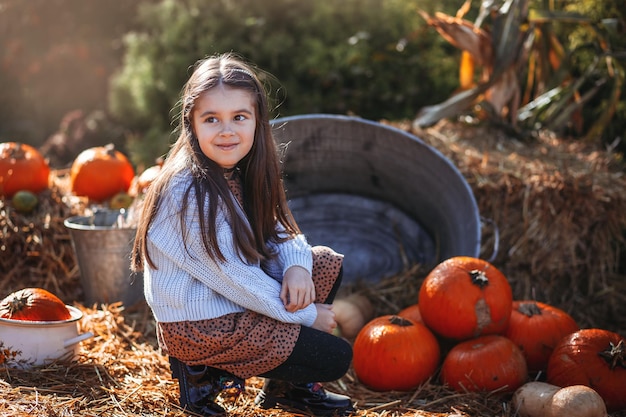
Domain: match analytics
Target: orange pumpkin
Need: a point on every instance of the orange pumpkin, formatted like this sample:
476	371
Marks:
33	304
394	353
465	297
412	312
595	358
537	328
101	172
487	363
142	181
22	167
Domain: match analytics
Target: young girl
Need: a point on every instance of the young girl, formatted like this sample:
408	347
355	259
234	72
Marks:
234	286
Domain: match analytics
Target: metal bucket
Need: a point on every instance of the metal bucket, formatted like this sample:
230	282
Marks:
377	194
103	253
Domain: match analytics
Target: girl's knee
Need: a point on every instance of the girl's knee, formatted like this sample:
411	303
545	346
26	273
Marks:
323	251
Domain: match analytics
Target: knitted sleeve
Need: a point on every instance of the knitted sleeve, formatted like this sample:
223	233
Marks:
293	252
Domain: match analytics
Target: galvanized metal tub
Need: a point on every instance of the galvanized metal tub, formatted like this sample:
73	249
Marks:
377	194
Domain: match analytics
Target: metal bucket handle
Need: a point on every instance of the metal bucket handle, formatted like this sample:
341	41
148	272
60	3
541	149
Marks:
496	237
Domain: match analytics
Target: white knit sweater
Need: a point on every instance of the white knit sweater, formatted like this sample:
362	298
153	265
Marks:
188	285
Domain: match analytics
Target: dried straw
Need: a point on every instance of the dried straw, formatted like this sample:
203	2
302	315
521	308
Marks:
121	372
36	249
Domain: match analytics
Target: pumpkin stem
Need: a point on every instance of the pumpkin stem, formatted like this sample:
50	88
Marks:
400	321
529	309
615	354
17	152
110	149
14	305
479	278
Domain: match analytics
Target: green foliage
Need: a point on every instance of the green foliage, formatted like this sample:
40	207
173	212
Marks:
584	97
548	68
604	38
373	58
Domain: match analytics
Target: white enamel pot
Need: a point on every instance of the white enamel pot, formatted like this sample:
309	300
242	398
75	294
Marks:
36	343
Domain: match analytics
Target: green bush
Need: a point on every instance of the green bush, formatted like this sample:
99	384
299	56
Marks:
373	58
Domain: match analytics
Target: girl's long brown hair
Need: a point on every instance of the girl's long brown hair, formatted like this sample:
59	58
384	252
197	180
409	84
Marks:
265	202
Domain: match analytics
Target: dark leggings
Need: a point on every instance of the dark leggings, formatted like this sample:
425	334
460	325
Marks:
317	356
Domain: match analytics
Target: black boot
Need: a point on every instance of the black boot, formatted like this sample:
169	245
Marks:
200	385
310	397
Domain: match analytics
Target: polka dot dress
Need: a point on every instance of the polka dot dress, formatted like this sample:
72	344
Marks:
245	344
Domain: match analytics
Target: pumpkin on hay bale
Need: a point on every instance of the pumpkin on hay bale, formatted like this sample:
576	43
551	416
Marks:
560	209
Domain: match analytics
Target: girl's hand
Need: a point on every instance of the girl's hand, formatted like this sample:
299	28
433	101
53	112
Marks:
325	320
297	290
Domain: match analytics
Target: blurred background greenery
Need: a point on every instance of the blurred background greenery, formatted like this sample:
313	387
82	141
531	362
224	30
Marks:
118	66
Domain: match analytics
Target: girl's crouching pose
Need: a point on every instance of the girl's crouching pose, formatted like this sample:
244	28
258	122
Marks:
234	286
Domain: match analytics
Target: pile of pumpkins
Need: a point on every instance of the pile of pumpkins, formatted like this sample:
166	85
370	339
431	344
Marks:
467	330
102	174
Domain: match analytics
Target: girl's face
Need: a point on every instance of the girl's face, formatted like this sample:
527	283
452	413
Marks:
224	121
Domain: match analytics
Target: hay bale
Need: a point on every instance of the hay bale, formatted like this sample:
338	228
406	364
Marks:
560	209
36	249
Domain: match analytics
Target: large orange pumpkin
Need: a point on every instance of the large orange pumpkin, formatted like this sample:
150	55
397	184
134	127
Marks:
595	358
465	297
22	167
394	353
486	363
33	304
101	172
537	328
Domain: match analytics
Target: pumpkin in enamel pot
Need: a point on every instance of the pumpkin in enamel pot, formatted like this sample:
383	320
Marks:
595	358
22	167
536	328
33	304
394	353
101	172
465	297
